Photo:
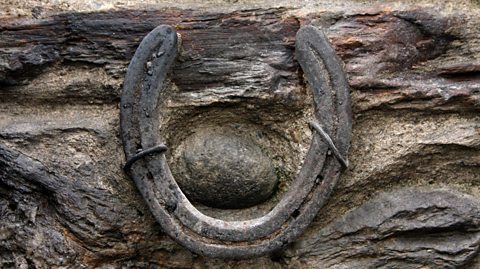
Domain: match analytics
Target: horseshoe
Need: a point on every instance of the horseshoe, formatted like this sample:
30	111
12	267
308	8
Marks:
147	165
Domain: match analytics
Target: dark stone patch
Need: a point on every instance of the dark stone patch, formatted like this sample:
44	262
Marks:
226	171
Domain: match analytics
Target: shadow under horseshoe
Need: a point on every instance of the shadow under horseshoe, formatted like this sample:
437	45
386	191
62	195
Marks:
316	179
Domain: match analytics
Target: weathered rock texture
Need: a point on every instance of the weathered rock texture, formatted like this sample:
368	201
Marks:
410	198
407	228
223	170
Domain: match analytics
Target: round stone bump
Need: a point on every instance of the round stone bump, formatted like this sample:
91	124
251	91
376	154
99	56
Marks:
226	171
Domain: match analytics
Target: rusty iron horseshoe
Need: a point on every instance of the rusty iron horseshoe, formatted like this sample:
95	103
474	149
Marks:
148	167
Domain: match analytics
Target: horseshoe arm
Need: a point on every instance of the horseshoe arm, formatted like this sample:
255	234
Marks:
146	72
324	72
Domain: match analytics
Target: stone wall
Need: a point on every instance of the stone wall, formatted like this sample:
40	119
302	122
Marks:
409	199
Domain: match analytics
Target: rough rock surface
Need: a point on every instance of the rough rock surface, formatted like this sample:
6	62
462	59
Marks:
406	228
410	198
223	170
